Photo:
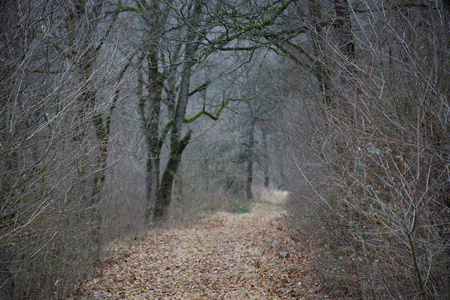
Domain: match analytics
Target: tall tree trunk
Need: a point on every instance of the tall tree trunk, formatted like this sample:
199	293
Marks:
250	158
177	143
89	100
320	66
349	92
165	188
343	26
266	160
154	86
102	135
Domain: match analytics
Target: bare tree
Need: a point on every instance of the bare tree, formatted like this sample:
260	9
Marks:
381	168
176	39
54	135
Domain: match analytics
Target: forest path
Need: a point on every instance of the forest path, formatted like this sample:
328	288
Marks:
221	256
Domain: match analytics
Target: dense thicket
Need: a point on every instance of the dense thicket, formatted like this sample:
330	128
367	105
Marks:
55	125
98	101
374	155
116	115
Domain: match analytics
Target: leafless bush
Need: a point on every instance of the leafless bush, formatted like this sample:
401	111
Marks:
379	166
49	150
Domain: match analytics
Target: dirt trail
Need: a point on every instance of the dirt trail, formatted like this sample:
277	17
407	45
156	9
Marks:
222	256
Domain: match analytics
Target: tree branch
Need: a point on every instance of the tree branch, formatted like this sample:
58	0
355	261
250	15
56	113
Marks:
211	115
200	88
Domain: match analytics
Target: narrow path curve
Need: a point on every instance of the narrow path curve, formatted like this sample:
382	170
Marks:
222	256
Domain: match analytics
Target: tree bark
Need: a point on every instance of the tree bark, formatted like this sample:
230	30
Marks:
343	26
165	189
250	151
320	70
266	160
178	144
154	86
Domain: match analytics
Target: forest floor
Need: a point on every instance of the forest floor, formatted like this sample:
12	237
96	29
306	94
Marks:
251	255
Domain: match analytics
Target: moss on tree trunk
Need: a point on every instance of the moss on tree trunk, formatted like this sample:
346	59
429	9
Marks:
165	188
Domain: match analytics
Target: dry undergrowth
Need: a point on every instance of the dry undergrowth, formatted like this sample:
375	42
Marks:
221	256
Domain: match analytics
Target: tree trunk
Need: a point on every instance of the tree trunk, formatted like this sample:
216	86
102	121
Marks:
250	151
178	144
343	25
165	188
102	135
320	70
266	160
150	118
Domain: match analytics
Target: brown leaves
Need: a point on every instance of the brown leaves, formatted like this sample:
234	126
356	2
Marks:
224	256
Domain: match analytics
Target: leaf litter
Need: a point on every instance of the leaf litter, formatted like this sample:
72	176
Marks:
221	256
